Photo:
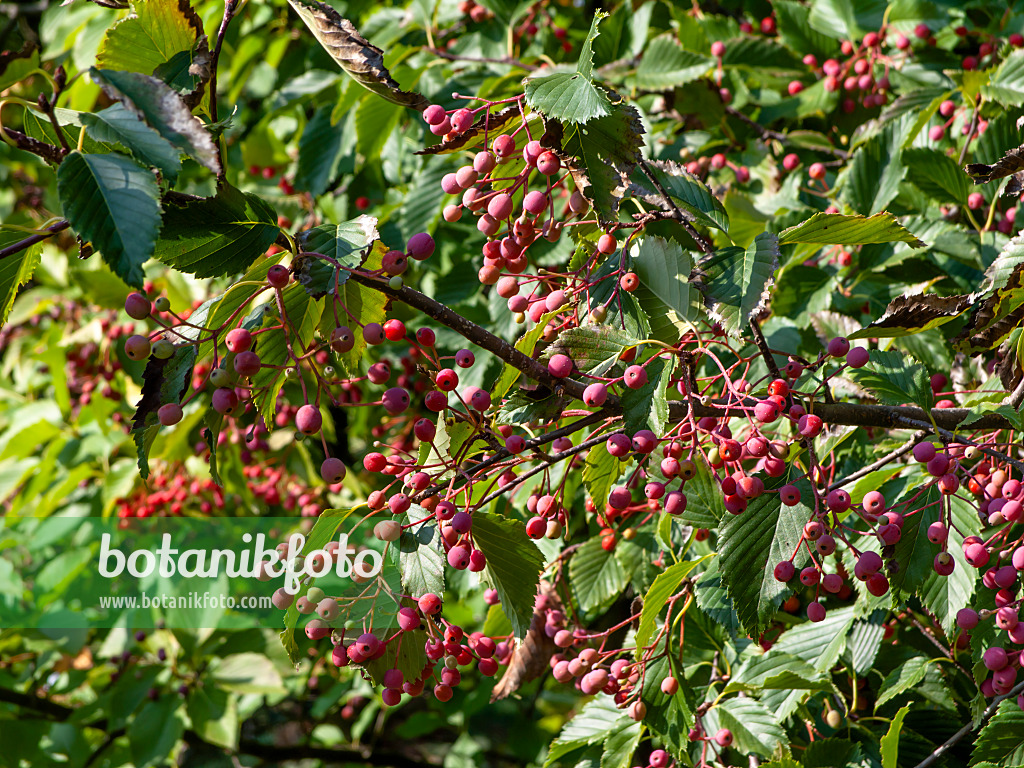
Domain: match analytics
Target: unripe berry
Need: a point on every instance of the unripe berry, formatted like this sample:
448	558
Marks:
137	306
137	347
169	414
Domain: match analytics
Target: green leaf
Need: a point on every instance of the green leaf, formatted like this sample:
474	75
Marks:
937	175
835	228
594	348
320	152
735	281
914	554
116	125
661	590
905	677
874	173
945	595
163	110
647	407
894	378
596	577
666	65
15	271
1000	744
217	236
796	32
214	715
1006	87
571	97
750	544
248	672
303	315
409	656
846	20
907	315
669	717
760	55
686	190
421	556
346	243
513	565
112	202
890	743
151	36
621	744
754	728
363	61
596	721
155	730
600	472
665	292
985	408
819	644
601	155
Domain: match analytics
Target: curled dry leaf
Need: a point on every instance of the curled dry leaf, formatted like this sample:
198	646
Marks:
362	60
1010	164
530	658
907	315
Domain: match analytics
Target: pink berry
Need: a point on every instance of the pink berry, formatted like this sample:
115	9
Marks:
838	347
857	357
137	306
169	414
635	377
560	366
595	395
308	419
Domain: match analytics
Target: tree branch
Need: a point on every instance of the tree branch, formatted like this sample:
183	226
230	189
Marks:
28	242
229	11
48	152
703	244
969	727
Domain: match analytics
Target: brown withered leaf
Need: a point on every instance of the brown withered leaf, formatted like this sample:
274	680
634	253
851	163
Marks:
907	315
530	658
995	317
1010	164
362	60
486	126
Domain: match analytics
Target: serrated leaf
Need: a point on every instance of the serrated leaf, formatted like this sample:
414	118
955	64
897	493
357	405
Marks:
864	642
754	728
894	378
1006	86
890	743
320	151
155	32
1000	742
735	281
945	595
914	554
647	407
346	243
838	229
846	20
760	54
1010	164
594	723
595	349
571	97
600	472
275	341
907	315
661	590
995	317
1007	411
601	155
874	173
409	656
902	679
687	191
596	577
666	65
362	60
750	544
936	174
362	305
217	236
819	644
15	271
624	311
421	556
621	744
513	565
113	203
116	125
665	292
705	507
668	716
796	32
163	110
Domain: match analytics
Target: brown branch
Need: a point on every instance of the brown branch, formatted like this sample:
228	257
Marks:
766	352
677	214
21	245
230	6
48	152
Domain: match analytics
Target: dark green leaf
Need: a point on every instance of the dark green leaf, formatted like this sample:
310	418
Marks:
513	565
666	65
596	577
600	472
894	378
217	236
661	590
687	191
647	407
112	202
937	175
665	292
735	281
116	125
999	744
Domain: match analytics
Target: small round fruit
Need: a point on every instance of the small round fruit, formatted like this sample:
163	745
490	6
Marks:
724	737
278	276
308	419
247	364
169	414
332	470
137	306
137	347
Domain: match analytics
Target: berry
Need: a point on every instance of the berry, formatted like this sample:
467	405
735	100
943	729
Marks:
607	244
308	420
169	414
724	737
137	306
635	377
278	276
560	366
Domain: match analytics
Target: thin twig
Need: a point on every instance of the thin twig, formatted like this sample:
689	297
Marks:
704	246
21	245
968	728
904	449
229	12
766	352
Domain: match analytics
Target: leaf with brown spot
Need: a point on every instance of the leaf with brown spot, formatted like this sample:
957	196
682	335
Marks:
1010	164
995	318
907	315
362	60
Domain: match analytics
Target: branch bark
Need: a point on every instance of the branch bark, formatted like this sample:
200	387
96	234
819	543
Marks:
28	242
